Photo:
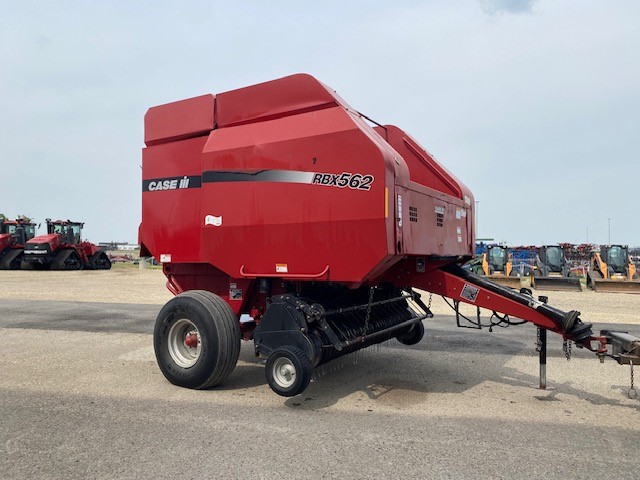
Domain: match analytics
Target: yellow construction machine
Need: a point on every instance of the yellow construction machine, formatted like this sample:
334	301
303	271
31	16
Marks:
552	271
611	270
497	264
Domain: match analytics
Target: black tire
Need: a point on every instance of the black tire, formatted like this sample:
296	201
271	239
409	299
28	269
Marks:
413	336
297	363
219	335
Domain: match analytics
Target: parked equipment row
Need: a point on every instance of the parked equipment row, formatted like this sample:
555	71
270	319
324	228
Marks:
61	248
610	269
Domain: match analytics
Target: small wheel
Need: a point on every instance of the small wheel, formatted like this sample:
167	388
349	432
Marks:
413	336
288	371
196	340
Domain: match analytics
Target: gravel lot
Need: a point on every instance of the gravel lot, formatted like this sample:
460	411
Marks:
130	285
81	397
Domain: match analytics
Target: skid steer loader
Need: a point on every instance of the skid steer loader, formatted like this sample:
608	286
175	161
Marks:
553	272
611	270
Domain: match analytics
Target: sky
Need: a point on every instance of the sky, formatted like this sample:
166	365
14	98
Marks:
534	105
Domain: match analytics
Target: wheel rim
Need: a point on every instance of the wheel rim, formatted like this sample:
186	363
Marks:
284	372
184	343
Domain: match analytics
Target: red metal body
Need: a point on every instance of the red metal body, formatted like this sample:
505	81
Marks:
254	154
285	181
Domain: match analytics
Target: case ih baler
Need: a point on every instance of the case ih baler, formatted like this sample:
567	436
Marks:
280	203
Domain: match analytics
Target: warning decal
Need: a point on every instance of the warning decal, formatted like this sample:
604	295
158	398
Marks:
469	292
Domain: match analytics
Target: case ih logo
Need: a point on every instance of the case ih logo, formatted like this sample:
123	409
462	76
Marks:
172	183
356	181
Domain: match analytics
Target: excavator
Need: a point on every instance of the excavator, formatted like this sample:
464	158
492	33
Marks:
611	270
553	272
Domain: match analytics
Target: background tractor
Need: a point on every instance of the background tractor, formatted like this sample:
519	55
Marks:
62	248
13	235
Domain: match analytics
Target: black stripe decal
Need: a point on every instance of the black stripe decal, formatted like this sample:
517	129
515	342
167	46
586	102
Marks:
283	176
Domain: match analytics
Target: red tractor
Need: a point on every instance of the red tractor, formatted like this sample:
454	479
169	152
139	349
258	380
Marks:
13	235
62	248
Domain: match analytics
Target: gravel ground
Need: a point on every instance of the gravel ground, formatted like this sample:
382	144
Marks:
130	285
81	397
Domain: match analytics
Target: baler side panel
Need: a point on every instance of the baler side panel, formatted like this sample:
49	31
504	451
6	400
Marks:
271	100
282	222
175	121
171	217
435	223
437	208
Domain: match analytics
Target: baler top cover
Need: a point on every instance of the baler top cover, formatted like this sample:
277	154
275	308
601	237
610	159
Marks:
284	179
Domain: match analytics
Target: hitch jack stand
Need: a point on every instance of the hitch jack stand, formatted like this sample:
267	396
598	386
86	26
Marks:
542	348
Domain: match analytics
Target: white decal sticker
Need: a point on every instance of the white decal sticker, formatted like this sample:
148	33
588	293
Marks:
467	200
165	258
459	231
439	210
282	268
213	220
400	210
235	294
459	238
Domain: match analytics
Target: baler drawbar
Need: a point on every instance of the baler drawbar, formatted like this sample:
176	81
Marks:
282	216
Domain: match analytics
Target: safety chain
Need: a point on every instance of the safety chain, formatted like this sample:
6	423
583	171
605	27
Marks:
366	318
633	393
566	348
430	298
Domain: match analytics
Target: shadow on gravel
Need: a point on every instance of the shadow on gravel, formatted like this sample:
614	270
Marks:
396	377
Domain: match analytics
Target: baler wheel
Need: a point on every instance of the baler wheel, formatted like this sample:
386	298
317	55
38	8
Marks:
196	339
413	336
288	371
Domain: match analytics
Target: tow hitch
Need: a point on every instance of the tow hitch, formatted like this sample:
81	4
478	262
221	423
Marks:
625	349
